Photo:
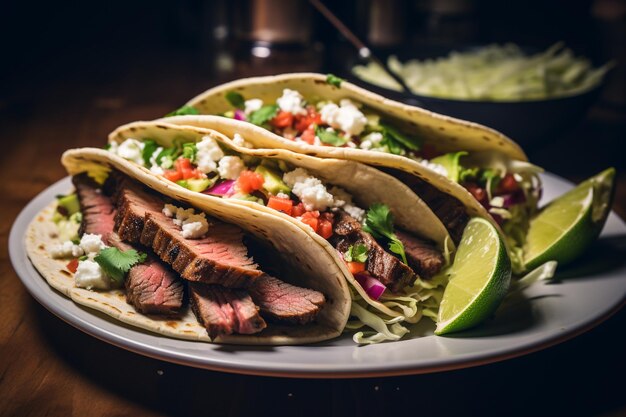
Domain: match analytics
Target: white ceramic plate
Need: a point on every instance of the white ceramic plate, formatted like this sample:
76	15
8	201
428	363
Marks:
588	293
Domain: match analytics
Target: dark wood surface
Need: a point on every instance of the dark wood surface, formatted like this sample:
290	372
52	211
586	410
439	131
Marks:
49	368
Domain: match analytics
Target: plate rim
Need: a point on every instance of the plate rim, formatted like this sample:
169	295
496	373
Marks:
28	276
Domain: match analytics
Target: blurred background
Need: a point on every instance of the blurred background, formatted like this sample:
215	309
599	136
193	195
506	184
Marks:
98	64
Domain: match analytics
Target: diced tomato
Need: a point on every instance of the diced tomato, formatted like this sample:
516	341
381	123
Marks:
281	204
312	219
173	175
282	119
508	184
298	210
355	267
479	193
249	181
72	265
305	121
428	151
309	135
325	228
184	166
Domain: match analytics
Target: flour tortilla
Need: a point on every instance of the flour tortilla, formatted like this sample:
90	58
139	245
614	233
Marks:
446	133
317	270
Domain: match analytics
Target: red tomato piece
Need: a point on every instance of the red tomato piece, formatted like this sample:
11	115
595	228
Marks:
72	265
281	204
355	267
312	219
173	175
312	117
325	228
249	181
479	193
298	210
282	119
309	135
508	184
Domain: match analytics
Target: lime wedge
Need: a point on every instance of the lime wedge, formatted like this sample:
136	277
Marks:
479	278
564	228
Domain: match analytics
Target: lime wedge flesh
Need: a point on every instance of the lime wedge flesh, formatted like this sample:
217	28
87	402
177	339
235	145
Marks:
479	279
563	229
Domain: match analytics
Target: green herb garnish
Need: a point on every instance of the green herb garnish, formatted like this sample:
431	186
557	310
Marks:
236	100
189	151
185	110
330	137
149	147
356	253
379	223
332	79
395	135
263	115
116	263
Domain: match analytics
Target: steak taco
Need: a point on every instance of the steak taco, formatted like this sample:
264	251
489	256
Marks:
141	253
389	245
460	169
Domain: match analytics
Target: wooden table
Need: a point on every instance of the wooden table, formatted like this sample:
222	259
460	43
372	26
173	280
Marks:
49	368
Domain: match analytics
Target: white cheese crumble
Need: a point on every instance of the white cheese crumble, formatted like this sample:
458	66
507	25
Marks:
371	141
65	250
291	101
439	169
154	166
240	141
91	243
230	167
345	117
282	195
209	152
343	200
89	275
310	190
130	149
252	105
193	225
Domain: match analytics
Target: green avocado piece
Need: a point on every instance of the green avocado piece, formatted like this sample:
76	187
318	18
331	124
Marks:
273	182
68	205
196	184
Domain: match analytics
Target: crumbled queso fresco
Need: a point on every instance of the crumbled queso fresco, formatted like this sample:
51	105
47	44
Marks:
239	141
88	274
194	225
252	105
346	117
230	167
130	149
291	101
209	153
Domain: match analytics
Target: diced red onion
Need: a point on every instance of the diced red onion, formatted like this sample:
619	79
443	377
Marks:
373	287
517	197
240	115
222	189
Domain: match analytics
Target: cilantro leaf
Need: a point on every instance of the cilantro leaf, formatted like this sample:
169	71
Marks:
408	142
330	137
149	147
236	100
332	79
189	151
183	111
356	253
379	223
264	114
116	263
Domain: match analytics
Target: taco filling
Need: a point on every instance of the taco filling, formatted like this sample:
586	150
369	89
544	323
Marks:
135	238
509	190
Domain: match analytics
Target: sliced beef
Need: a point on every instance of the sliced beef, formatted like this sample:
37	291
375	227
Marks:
218	258
97	209
380	264
285	302
224	311
422	256
151	287
448	209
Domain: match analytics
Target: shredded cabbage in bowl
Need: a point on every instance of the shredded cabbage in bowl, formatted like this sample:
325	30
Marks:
492	73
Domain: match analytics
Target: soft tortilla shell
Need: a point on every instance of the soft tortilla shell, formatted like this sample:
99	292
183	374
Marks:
317	270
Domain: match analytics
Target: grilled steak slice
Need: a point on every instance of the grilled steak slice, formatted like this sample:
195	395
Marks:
224	311
97	209
151	287
423	257
133	202
285	302
380	264
448	209
218	258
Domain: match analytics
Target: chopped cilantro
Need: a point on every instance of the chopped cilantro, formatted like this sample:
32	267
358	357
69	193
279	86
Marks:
263	115
185	110
189	151
116	263
356	253
236	100
149	147
332	79
330	137
107	146
395	135
379	222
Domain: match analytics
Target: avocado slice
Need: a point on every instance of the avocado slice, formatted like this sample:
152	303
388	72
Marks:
196	184
67	205
273	182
